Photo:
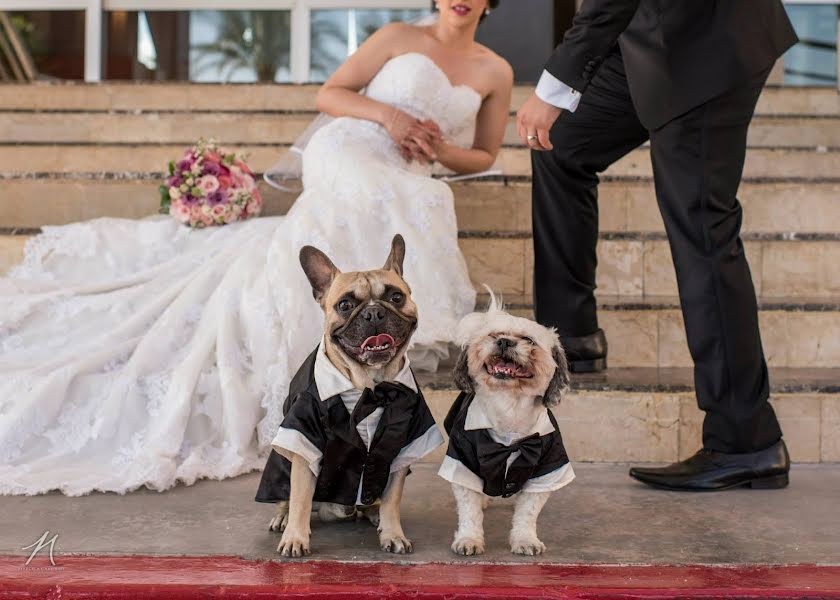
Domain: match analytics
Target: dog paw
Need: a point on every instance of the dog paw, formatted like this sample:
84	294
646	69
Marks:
278	522
526	545
468	546
395	543
371	514
281	517
293	545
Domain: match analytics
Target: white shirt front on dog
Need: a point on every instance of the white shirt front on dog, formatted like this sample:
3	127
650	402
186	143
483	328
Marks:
455	471
331	382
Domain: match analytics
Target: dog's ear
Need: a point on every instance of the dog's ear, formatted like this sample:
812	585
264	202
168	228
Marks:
461	374
319	270
395	259
559	384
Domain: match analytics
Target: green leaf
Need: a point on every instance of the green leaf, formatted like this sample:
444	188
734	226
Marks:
171	168
165	200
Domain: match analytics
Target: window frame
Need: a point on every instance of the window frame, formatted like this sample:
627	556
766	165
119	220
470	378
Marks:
300	20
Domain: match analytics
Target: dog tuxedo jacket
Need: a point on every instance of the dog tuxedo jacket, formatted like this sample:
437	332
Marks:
477	460
353	441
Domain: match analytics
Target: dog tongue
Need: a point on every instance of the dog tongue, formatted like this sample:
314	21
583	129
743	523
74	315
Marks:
378	340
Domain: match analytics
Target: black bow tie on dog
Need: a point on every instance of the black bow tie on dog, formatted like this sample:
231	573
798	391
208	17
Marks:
382	395
493	458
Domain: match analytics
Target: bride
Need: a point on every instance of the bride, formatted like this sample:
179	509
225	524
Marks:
143	352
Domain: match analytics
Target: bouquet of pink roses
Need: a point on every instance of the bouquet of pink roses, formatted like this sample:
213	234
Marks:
210	186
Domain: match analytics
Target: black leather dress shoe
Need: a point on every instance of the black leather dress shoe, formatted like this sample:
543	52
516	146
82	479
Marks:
710	471
587	353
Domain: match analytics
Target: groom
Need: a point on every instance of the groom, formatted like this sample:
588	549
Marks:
686	75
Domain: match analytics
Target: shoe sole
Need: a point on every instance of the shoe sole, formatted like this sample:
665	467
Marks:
595	365
775	482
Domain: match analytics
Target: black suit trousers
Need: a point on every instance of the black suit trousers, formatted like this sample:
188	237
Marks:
698	160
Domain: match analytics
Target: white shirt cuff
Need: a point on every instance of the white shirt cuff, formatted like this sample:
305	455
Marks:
555	92
289	442
419	448
550	482
454	471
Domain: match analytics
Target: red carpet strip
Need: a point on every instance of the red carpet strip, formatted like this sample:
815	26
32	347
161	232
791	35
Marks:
183	578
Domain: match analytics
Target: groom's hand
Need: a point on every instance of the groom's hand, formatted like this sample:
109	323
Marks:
534	120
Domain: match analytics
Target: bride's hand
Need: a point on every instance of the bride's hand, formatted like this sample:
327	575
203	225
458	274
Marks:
401	125
426	144
404	128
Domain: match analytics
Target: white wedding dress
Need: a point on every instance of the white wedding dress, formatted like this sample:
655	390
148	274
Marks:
141	352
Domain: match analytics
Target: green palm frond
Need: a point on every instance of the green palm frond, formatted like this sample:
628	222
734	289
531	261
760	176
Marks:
253	40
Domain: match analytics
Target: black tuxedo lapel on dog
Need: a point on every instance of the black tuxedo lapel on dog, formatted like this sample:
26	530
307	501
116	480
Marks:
328	426
677	53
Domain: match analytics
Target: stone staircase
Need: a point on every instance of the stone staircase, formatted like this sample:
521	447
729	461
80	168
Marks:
71	152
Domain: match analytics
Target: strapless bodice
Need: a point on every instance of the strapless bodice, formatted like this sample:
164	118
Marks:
413	82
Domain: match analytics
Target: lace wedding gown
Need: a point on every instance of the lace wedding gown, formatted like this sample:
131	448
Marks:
141	352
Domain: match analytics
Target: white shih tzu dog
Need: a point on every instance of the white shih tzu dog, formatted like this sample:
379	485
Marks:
503	438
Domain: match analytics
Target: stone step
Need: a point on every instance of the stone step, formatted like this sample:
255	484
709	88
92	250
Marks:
647	331
607	537
649	414
241	129
147	159
630	206
633	264
116	96
629	264
625	205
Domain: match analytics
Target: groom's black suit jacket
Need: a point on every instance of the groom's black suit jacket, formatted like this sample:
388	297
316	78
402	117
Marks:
677	53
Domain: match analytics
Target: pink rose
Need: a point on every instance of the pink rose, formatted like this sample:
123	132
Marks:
207	219
208	184
224	181
180	212
242	180
195	212
214	156
218	211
